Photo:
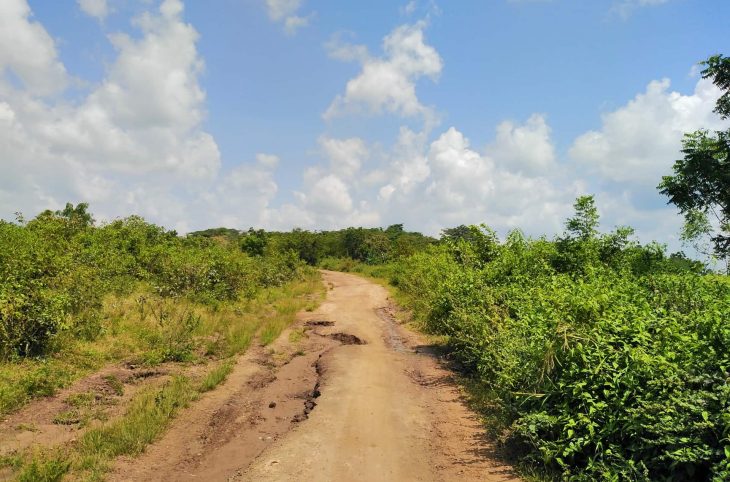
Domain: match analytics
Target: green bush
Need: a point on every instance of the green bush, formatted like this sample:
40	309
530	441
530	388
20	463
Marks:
56	269
605	359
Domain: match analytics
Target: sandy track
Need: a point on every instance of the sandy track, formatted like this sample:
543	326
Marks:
324	410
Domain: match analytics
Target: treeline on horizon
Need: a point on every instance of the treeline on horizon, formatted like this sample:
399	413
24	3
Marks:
366	245
377	246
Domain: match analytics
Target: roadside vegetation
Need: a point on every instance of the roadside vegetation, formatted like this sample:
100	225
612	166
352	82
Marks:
76	297
594	357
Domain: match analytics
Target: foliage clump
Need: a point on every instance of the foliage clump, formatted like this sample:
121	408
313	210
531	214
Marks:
56	269
603	358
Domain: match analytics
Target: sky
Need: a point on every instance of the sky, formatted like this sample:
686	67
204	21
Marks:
327	114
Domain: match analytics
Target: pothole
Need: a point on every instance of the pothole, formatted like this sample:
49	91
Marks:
319	323
347	339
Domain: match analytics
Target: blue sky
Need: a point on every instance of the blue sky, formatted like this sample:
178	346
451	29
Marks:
323	114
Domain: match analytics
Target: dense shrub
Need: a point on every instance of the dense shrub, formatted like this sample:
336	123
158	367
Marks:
606	359
56	269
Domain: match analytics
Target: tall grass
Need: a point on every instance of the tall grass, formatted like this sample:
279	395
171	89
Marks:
216	376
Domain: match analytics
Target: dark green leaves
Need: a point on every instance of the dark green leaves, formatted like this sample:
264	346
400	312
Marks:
602	358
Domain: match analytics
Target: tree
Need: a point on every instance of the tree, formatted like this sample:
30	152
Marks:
584	224
254	242
700	186
394	231
461	232
304	243
79	216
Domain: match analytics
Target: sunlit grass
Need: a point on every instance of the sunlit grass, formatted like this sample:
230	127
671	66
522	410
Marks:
216	376
133	332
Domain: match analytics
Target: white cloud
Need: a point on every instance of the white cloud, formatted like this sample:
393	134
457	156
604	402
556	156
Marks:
468	187
461	176
346	156
95	8
267	160
409	8
527	148
294	23
407	164
326	202
285	11
280	9
330	195
327	198
134	144
145	116
28	52
338	48
388	83
243	196
639	142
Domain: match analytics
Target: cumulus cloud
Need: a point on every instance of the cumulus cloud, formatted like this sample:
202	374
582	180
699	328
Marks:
639	142
243	196
467	187
331	194
438	184
388	83
134	143
285	11
346	156
95	8
325	202
145	116
28	51
407	164
527	148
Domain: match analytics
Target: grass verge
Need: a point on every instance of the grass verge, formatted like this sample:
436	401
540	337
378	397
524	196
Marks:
147	416
223	332
150	330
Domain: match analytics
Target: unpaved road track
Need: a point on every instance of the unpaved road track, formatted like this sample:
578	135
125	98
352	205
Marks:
325	409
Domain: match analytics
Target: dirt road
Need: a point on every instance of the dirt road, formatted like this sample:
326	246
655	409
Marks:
346	395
